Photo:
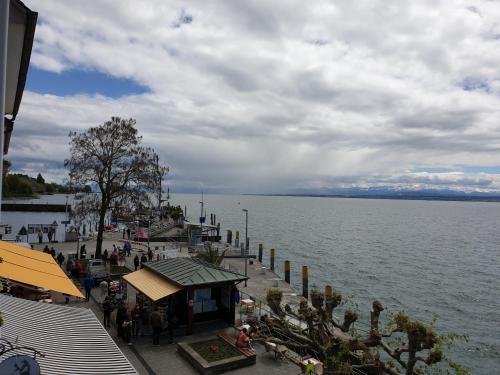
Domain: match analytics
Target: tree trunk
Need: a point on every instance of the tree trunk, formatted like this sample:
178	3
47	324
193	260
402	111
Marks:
100	229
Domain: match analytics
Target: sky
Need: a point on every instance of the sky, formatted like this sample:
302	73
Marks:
273	96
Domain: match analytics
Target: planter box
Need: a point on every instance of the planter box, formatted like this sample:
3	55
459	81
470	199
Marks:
216	367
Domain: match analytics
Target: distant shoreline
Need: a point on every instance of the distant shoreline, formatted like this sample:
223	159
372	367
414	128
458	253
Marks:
446	198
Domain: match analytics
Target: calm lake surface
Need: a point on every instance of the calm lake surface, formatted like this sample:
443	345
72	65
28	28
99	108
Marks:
426	257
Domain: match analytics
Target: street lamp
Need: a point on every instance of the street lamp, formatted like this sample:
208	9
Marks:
246	242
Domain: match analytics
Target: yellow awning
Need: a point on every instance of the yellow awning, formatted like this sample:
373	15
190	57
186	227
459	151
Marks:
151	284
35	268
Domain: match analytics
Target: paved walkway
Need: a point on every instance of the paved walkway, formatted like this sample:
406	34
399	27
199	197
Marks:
150	360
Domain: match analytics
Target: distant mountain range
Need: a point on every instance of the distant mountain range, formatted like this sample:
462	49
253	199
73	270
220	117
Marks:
391	193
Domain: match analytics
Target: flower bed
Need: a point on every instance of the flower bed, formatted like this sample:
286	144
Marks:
214	350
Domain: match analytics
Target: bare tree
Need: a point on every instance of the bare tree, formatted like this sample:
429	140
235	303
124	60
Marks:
111	156
405	346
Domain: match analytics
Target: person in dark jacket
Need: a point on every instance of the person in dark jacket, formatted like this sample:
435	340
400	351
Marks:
135	314
127	329
89	284
107	308
60	259
156	325
53	252
136	261
150	255
121	314
144	259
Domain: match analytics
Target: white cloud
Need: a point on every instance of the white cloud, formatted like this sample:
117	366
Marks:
271	96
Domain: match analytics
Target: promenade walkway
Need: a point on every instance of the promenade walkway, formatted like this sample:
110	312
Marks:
150	360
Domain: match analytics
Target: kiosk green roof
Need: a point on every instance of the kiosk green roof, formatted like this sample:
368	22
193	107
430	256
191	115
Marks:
193	272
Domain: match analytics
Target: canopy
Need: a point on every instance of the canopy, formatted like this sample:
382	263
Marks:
34	268
151	284
72	338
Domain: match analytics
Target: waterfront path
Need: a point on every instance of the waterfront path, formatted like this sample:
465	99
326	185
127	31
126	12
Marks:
149	360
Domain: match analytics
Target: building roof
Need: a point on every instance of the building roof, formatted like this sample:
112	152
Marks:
22	24
151	284
72	339
192	271
35	268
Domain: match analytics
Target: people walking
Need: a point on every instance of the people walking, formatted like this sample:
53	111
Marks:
135	314
107	307
89	284
156	325
40	236
127	329
103	286
83	251
136	262
120	318
128	248
124	231
144	259
128	233
105	256
150	255
60	259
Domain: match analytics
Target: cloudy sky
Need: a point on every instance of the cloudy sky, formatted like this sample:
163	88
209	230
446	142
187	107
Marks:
274	96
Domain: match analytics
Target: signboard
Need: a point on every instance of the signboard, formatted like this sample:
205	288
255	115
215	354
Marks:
23	231
20	364
5	229
35	228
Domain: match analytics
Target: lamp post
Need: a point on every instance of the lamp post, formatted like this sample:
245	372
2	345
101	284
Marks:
246	242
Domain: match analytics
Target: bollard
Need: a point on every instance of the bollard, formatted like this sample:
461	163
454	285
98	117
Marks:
328	291
305	282
237	240
287	271
229	237
272	259
261	249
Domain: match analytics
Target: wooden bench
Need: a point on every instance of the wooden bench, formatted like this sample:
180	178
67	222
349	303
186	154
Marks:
231	341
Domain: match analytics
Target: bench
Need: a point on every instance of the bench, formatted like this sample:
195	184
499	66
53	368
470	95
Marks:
231	341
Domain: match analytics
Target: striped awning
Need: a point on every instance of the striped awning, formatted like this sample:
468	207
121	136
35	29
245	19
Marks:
151	284
72	339
35	268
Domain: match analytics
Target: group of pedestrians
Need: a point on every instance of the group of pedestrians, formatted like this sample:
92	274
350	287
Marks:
127	232
129	324
60	257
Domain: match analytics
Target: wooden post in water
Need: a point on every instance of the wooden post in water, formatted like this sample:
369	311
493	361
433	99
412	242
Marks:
229	237
261	249
273	253
328	291
287	271
305	282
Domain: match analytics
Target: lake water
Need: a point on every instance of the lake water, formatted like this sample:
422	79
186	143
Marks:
426	257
